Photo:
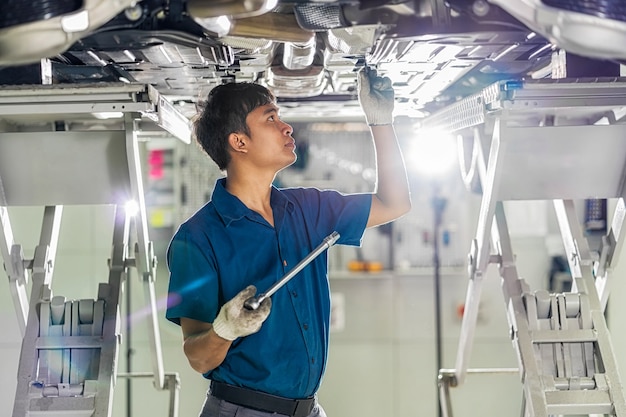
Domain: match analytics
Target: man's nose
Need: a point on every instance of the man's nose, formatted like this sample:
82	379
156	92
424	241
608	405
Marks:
287	129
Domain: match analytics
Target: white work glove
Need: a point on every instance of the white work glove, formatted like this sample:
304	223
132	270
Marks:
375	97
234	320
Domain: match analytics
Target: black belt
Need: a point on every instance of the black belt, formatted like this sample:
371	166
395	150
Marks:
261	401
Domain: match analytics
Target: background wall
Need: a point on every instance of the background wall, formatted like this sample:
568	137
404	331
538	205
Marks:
383	345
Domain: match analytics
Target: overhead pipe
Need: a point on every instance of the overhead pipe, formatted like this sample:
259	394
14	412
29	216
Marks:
297	56
278	27
235	8
250	19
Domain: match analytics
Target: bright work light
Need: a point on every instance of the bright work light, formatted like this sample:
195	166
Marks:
432	153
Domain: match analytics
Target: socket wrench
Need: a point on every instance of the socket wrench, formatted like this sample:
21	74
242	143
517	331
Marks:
253	303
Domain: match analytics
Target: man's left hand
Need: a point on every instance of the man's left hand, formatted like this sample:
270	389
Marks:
376	97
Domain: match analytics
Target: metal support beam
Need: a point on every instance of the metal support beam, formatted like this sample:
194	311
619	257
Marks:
111	293
43	266
14	266
144	254
612	244
481	250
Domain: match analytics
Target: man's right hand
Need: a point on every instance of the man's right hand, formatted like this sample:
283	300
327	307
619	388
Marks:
234	320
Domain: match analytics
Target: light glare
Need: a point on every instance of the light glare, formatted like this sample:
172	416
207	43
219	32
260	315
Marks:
132	208
220	25
108	115
77	22
433	152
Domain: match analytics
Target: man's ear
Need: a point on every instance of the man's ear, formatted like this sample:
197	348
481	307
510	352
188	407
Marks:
237	142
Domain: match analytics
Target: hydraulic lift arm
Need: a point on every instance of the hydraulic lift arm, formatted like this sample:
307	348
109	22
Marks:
69	350
563	141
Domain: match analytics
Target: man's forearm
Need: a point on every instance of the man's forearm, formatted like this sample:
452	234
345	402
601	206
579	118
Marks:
392	186
206	351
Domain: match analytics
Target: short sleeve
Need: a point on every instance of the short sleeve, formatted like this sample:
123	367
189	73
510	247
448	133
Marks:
349	214
193	284
329	210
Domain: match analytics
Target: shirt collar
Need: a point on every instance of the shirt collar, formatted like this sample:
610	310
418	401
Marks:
231	209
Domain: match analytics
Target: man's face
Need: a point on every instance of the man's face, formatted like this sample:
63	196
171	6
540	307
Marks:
271	142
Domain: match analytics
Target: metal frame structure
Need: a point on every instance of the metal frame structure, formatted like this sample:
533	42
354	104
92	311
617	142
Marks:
542	140
78	145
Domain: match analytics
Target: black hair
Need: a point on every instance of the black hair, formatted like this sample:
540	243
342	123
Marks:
225	112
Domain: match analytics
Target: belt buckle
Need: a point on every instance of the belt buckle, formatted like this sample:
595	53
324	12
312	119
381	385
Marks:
303	407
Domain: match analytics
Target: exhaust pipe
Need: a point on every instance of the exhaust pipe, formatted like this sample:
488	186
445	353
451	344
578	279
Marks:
236	8
298	56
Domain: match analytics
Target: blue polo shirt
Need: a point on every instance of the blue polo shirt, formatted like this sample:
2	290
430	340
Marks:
225	247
